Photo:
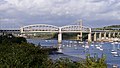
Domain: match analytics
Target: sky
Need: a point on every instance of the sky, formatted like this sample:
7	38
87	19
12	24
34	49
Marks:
94	13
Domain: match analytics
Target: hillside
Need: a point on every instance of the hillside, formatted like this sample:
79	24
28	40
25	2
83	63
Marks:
110	27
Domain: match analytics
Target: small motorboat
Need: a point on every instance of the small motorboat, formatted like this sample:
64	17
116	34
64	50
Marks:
92	45
76	48
63	45
115	66
101	49
114	52
116	55
98	47
46	40
86	46
116	42
83	45
67	45
113	43
75	45
75	41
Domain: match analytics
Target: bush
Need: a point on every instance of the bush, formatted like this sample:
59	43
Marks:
17	53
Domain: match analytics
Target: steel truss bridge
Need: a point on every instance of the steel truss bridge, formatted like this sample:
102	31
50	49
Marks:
45	28
51	28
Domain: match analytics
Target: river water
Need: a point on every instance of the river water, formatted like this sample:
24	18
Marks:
74	48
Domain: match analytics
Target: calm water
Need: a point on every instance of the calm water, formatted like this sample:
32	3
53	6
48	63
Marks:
74	48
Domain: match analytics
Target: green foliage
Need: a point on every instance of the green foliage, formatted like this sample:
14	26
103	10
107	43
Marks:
11	39
94	62
113	26
17	53
65	63
43	35
21	55
109	27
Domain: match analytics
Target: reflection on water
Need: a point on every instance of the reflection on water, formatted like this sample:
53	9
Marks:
59	48
78	49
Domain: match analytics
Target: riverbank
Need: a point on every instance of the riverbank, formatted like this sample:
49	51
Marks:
58	55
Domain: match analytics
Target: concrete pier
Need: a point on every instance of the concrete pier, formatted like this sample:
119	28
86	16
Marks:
114	35
105	35
60	36
109	35
89	35
100	36
95	37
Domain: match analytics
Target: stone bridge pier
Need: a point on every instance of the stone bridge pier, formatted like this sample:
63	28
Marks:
89	35
60	36
106	36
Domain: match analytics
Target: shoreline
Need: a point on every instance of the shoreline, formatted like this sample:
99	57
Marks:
58	55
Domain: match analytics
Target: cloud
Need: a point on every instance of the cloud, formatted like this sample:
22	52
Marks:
56	11
9	23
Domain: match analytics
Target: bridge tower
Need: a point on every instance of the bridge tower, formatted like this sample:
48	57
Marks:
79	37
